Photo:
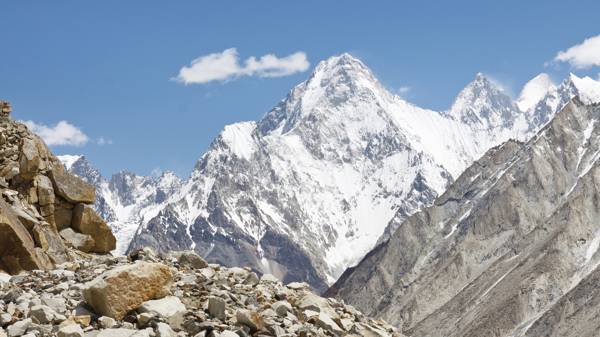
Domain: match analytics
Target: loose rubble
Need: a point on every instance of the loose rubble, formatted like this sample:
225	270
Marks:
105	296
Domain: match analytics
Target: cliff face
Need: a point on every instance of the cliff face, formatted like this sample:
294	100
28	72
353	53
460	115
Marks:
43	209
510	249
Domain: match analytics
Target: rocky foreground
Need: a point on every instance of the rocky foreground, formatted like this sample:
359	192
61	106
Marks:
178	295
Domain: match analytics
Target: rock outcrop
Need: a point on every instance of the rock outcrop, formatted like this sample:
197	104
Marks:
212	301
39	199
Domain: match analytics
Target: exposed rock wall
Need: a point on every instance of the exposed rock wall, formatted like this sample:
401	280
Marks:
39	199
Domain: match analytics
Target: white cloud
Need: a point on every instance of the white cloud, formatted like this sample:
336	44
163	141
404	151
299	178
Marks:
226	66
583	55
104	141
404	90
63	133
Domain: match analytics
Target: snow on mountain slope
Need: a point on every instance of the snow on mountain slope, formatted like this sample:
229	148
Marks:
123	200
327	169
534	91
328	173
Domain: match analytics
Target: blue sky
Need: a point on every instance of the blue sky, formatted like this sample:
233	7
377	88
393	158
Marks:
107	67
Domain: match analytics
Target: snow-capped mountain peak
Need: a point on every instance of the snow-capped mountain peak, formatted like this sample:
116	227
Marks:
534	91
68	160
484	104
586	88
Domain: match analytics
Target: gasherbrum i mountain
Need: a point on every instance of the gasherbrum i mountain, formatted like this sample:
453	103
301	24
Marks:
333	169
510	249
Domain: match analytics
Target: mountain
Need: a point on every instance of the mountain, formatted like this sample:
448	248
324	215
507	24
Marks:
124	199
307	190
510	249
331	171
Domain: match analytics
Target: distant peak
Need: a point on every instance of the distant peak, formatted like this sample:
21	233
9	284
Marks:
585	87
68	160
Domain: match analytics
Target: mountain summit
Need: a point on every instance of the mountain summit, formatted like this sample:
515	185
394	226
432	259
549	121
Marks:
327	174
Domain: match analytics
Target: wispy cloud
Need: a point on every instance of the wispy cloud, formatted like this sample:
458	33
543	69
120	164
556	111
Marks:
63	133
403	90
583	55
104	141
226	66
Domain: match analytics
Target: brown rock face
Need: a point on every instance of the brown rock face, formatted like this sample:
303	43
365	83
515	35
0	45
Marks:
87	221
37	199
70	187
17	248
125	288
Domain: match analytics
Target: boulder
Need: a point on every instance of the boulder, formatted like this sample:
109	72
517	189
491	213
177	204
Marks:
251	319
83	242
70	330
325	322
216	307
30	161
42	314
169	308
19	328
282	308
17	247
191	260
70	187
87	221
164	330
125	288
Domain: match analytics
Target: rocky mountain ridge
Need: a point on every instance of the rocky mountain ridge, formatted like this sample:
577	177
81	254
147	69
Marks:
43	209
332	170
510	249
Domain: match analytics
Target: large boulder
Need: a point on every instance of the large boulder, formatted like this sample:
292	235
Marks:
70	187
86	221
83	242
17	247
125	288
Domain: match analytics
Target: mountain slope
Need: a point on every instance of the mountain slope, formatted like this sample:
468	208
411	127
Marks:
501	249
307	190
125	198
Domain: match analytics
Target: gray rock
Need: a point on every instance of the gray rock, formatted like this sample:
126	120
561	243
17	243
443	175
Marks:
282	308
164	330
216	307
170	308
120	332
42	314
107	322
18	328
71	330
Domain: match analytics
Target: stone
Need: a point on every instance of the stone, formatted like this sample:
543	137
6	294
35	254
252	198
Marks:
325	322
70	187
19	328
30	161
125	288
87	221
120	332
282	308
169	308
269	278
57	303
216	307
17	247
250	318
107	322
82	320
298	285
82	242
5	109
42	314
164	330
252	279
5	319
191	260
71	330
228	333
